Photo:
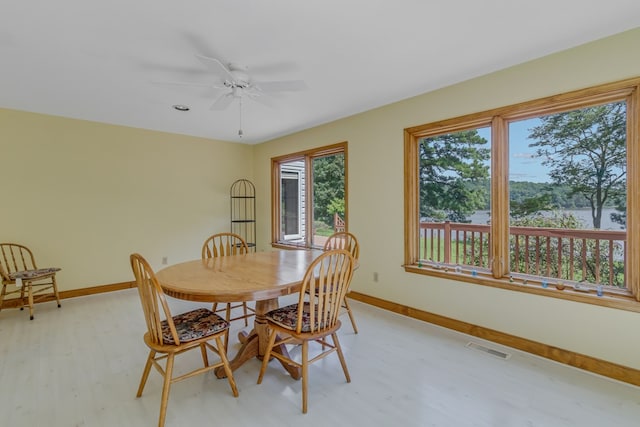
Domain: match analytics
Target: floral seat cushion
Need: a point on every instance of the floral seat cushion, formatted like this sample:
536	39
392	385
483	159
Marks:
30	274
288	316
193	325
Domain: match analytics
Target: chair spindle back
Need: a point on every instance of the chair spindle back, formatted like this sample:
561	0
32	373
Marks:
154	303
327	281
224	244
343	240
15	257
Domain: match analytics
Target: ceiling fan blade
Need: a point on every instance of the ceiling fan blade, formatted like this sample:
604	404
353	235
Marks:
281	86
217	67
192	84
273	68
261	100
222	102
162	67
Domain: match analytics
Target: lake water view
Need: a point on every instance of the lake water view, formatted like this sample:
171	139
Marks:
482	217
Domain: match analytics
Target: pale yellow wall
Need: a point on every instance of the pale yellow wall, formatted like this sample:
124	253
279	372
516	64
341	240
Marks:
376	202
84	195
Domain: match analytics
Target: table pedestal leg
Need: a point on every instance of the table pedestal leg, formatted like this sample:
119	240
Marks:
255	343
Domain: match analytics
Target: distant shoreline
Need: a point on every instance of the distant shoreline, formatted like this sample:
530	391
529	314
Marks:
482	217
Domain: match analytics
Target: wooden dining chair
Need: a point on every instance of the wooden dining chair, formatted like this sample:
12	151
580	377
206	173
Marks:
18	269
168	336
225	244
349	242
314	317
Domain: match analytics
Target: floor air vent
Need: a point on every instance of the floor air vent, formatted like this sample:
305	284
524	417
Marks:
491	351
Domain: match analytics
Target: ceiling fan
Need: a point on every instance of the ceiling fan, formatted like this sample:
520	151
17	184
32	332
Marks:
237	83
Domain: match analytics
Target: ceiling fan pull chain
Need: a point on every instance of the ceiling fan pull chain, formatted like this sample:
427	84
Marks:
240	127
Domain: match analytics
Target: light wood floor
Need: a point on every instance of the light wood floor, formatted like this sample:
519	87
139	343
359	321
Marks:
80	366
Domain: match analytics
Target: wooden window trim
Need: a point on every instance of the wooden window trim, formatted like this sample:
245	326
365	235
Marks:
307	156
499	118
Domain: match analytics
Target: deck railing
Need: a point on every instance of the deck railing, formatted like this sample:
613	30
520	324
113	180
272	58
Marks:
594	256
338	223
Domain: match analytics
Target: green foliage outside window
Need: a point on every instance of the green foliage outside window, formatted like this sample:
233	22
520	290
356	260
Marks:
328	188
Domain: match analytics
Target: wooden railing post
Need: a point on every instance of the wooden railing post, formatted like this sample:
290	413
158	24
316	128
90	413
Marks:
447	242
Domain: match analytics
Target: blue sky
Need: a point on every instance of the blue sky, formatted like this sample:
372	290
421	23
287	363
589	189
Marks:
523	164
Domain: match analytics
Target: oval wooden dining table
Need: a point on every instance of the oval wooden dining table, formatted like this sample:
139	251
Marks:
261	277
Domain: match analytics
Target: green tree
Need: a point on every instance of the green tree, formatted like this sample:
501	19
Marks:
530	205
449	164
586	150
336	206
560	194
328	187
620	217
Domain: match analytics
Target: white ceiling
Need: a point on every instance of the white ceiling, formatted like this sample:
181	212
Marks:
101	60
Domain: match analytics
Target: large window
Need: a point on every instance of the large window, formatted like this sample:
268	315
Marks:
538	197
309	196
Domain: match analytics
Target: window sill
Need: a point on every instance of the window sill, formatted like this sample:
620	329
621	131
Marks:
293	247
619	301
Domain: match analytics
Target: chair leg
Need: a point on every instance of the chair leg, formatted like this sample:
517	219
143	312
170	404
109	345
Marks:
225	364
55	290
267	355
22	297
305	374
205	358
336	343
246	313
145	373
168	374
30	294
353	320
228	319
2	294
